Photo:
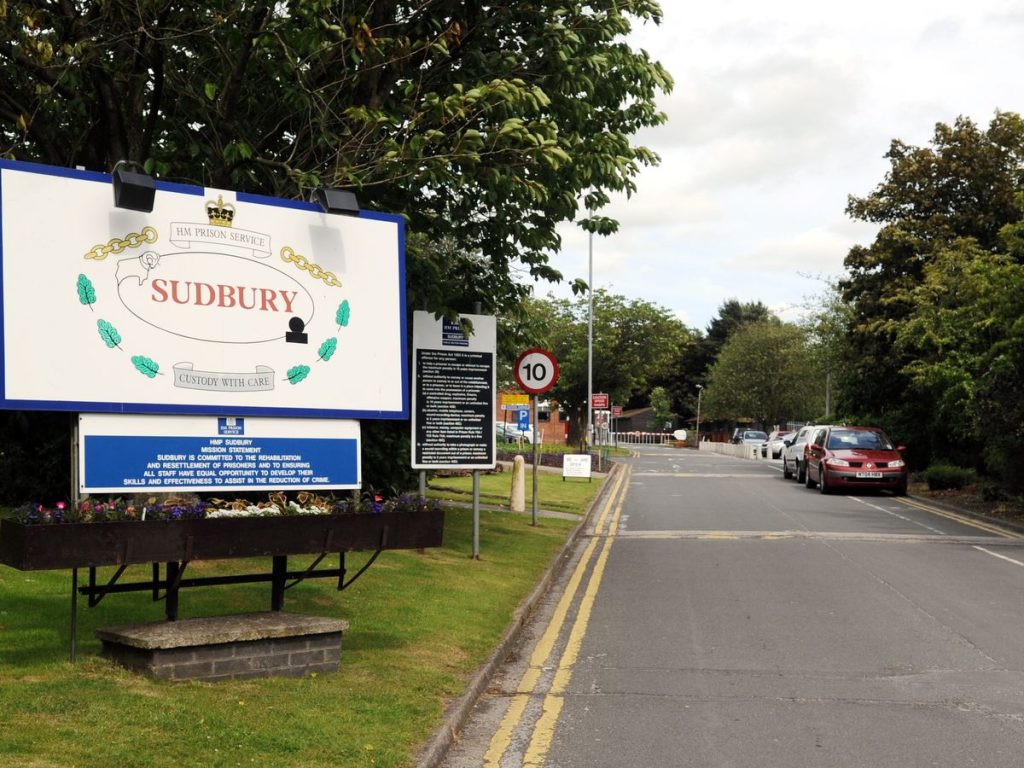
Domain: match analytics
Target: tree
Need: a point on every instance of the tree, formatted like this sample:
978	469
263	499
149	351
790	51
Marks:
489	124
962	186
693	361
484	125
634	342
827	324
661	407
966	335
733	315
765	372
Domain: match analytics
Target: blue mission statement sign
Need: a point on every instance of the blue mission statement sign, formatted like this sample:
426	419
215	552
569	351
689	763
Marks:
245	456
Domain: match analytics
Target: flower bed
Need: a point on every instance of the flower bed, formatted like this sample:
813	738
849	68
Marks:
117	533
180	508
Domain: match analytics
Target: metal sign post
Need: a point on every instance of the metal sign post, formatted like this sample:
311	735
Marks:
453	425
536	461
536	371
76	501
476	514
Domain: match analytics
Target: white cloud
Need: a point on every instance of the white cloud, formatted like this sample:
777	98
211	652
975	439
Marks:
819	250
779	112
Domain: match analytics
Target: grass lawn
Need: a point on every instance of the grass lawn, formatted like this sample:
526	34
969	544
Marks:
421	624
553	493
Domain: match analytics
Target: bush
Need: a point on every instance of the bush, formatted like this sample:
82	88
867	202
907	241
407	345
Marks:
942	477
994	492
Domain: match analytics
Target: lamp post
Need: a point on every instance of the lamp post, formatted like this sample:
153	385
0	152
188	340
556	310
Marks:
700	391
590	341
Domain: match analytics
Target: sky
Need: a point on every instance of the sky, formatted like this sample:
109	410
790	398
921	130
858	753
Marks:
779	112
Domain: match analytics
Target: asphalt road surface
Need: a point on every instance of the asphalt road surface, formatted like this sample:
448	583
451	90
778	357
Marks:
718	615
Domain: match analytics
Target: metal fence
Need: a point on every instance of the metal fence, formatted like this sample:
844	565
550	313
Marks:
642	438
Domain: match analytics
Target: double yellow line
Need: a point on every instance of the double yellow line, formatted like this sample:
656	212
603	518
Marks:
979	524
544	728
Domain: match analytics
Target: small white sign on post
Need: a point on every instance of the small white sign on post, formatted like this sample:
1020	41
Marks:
576	465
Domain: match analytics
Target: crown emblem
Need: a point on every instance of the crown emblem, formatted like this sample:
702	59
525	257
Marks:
220	213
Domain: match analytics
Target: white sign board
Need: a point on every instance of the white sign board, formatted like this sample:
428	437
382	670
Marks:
453	392
216	302
576	465
125	453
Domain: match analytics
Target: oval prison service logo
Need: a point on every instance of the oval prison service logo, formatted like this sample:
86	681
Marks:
213	296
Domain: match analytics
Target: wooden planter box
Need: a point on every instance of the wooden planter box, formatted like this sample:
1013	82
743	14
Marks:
80	545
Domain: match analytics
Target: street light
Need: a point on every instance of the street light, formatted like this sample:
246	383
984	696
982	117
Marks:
590	343
700	391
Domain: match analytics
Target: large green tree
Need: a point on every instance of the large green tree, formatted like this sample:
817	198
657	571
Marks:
827	321
966	337
766	372
693	361
634	343
484	124
961	186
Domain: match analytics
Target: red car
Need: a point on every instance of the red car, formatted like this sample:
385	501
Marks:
848	458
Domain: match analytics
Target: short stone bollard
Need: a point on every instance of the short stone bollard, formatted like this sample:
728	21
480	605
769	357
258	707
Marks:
228	647
517	502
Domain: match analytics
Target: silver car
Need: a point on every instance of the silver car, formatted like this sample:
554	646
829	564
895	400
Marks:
793	453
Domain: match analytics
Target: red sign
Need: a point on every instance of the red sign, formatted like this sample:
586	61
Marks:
616	411
536	371
599	400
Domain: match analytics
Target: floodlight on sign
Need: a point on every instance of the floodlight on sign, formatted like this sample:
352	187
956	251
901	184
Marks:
337	201
133	190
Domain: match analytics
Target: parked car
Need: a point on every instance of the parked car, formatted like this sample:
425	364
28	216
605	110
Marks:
774	443
753	437
853	458
509	433
793	453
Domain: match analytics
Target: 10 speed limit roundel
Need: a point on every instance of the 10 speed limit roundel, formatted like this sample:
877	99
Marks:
536	371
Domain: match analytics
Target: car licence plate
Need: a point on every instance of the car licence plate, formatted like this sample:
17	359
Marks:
870	475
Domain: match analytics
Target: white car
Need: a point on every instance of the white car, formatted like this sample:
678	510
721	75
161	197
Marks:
775	443
508	432
752	437
793	453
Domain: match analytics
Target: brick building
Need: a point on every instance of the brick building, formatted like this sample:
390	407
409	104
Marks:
554	425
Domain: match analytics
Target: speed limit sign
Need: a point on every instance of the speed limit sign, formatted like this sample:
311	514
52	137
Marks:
536	371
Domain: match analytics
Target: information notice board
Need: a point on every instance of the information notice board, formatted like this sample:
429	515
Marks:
119	453
453	393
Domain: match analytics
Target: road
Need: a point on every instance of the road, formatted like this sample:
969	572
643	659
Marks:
718	615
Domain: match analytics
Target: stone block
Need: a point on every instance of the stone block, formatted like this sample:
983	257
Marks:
228	647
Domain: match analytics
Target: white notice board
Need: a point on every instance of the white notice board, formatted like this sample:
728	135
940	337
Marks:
576	465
